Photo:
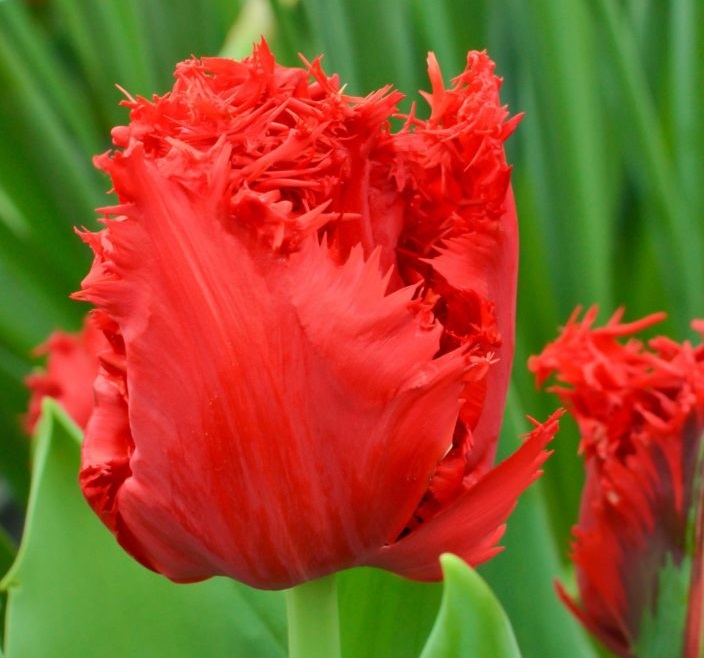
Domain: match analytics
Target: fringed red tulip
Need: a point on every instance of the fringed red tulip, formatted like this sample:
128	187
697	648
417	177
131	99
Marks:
638	544
310	321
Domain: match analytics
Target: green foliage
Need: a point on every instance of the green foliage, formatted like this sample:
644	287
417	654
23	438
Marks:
471	621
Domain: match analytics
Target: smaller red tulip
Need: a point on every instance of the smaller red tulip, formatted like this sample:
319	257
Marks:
638	544
71	368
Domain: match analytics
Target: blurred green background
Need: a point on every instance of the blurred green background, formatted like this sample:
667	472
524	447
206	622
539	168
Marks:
608	174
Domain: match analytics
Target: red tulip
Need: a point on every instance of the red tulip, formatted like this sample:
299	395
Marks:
640	412
71	367
311	325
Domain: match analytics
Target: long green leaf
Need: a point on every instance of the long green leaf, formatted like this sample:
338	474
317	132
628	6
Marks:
686	93
676	231
560	66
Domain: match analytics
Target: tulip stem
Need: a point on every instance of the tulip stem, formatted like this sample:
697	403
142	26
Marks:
313	621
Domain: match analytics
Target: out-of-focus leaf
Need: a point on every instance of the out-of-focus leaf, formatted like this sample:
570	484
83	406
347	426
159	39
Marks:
685	92
256	20
14	444
8	551
73	592
330	20
471	621
558	69
676	231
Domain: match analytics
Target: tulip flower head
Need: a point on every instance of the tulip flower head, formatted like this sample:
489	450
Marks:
310	322
638	545
71	368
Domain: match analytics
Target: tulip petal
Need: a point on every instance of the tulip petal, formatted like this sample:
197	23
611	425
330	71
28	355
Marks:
487	264
275	371
472	525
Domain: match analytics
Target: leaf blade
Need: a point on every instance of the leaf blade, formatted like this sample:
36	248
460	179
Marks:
471	621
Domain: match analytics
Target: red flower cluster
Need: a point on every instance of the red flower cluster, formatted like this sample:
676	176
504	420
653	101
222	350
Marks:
71	368
640	412
310	320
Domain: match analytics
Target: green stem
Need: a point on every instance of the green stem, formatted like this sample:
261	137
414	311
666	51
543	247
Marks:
313	621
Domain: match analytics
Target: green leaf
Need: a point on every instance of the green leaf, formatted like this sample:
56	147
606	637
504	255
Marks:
673	223
73	592
8	550
255	21
14	446
382	615
471	621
